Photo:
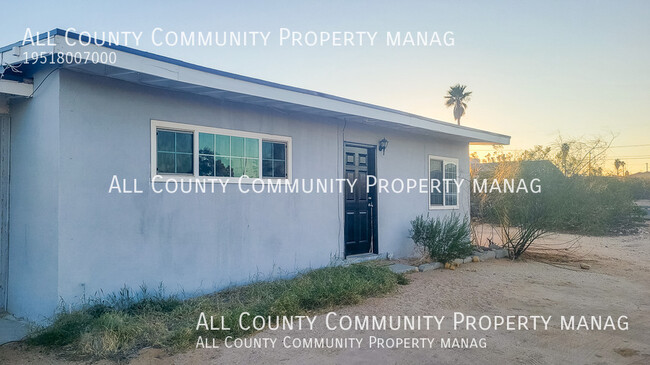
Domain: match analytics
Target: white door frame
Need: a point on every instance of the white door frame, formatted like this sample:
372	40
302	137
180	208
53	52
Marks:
5	151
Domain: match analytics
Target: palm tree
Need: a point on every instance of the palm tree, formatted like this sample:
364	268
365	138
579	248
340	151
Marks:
617	163
458	98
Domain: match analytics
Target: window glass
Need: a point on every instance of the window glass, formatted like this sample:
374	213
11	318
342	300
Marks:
222	145
228	156
222	166
206	165
184	163
166	162
184	142
252	148
174	152
436	176
274	159
267	150
206	143
252	167
279	151
451	189
237	165
166	141
237	146
279	168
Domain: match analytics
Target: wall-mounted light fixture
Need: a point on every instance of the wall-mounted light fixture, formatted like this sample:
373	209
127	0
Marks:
383	144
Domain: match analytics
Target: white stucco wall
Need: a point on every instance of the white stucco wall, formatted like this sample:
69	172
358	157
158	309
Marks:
34	196
191	242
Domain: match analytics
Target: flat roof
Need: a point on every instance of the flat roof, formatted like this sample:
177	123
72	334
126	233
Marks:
159	71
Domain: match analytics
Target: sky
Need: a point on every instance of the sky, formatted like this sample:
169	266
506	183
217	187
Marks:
537	69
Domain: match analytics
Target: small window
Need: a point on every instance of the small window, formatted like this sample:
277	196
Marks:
174	150
274	159
443	173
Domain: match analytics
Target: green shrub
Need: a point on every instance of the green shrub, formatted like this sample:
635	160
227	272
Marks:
589	205
444	239
596	205
639	186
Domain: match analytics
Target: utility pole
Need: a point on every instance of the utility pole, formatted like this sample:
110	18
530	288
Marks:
646	167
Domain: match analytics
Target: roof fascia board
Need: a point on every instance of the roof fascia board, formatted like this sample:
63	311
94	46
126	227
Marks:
175	72
164	67
33	40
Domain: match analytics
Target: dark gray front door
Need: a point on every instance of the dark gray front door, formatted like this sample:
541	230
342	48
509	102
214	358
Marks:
360	203
4	209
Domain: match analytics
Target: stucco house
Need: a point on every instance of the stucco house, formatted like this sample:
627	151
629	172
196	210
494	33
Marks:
70	130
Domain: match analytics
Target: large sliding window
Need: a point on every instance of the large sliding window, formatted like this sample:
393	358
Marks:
181	150
443	172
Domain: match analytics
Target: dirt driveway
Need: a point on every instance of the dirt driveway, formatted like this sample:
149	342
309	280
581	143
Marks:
548	284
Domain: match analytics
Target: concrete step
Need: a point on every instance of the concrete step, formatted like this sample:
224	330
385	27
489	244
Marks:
401	268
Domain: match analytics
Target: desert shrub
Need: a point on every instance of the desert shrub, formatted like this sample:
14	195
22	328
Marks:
596	205
639	187
591	205
444	239
522	217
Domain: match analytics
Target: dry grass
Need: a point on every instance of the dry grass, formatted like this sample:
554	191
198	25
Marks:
120	325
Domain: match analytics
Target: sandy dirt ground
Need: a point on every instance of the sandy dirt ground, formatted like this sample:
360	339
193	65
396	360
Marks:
547	282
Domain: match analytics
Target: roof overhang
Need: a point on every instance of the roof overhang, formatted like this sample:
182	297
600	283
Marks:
15	88
158	71
12	89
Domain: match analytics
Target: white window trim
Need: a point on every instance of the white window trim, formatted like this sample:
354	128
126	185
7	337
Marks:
196	129
444	160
